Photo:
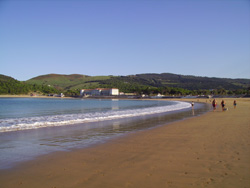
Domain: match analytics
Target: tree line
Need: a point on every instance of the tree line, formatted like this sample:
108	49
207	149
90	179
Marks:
14	87
168	91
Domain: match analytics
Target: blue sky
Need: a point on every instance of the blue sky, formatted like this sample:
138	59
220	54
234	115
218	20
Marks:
123	37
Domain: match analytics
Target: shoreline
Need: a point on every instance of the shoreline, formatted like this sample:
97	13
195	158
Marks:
208	150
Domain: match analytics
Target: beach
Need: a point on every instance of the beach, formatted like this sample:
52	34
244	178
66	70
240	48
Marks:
211	150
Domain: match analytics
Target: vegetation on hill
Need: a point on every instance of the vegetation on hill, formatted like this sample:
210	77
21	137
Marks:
11	86
68	82
172	84
149	84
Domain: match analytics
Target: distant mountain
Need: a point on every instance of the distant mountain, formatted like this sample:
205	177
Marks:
77	81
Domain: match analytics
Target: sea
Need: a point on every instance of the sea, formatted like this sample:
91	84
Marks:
31	127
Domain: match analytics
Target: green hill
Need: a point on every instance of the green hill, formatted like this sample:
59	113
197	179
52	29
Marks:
4	78
139	82
164	83
194	82
167	83
68	82
9	85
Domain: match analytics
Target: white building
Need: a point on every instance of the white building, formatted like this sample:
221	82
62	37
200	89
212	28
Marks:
86	92
99	92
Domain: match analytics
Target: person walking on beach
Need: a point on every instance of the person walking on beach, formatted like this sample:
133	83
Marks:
223	105
214	103
235	104
192	107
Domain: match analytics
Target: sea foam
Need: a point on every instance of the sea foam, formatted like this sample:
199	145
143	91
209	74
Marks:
26	123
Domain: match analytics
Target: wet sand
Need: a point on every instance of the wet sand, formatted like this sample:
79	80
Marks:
212	150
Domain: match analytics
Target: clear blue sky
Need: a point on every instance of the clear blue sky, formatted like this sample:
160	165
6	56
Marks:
123	37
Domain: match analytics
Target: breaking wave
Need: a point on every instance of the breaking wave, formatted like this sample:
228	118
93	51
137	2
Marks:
16	124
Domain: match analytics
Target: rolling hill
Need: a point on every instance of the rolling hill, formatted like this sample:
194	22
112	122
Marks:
67	82
77	81
151	84
9	85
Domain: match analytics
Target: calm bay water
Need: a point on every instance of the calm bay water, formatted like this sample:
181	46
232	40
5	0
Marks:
31	127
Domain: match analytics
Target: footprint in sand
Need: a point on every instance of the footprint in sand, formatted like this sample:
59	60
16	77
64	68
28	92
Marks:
209	169
210	180
219	162
169	182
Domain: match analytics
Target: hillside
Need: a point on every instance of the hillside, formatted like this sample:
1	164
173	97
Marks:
9	85
139	81
67	82
194	82
4	78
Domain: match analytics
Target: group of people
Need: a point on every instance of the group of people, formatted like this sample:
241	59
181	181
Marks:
223	104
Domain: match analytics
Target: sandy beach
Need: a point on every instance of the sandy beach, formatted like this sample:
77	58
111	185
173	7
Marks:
212	150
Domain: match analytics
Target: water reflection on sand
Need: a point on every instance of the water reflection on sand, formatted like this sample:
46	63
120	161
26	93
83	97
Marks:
24	145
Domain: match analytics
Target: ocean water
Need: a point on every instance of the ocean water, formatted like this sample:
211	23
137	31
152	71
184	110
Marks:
31	113
30	127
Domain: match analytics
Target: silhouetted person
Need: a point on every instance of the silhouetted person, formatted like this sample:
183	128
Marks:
214	104
223	105
235	103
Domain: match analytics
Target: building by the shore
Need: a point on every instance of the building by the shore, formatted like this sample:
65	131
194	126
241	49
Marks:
99	92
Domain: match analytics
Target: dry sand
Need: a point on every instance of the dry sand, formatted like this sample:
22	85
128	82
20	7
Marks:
212	150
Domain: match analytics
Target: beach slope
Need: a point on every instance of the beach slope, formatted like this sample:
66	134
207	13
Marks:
212	150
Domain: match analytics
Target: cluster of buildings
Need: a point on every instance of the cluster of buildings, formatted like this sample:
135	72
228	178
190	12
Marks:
99	92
